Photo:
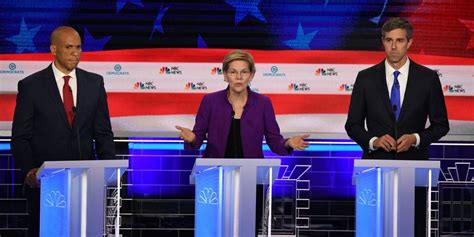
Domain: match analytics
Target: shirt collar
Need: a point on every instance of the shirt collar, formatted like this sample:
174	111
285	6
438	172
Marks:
58	75
403	70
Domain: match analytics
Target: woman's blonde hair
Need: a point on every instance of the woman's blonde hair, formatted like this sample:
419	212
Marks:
238	55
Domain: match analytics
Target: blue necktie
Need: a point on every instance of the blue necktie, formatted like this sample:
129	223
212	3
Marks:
395	95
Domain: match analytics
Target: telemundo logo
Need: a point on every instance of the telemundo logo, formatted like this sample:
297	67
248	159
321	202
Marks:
12	69
117	71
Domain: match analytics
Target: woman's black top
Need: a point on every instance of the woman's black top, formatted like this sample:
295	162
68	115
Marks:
234	143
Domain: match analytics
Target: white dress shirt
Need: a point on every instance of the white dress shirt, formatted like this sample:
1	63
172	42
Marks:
58	76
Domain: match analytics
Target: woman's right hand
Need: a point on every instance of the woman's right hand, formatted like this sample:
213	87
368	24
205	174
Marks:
186	134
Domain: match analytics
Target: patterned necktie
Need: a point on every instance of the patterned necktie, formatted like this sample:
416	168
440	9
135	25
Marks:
395	95
68	101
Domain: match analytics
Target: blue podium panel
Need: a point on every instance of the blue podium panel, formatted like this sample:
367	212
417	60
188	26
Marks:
209	202
55	208
369	203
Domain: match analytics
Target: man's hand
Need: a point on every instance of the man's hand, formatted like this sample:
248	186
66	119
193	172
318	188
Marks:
31	179
405	142
386	142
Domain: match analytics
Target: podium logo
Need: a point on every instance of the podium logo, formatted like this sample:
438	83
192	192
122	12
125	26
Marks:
208	196
117	71
367	197
454	89
170	70
216	71
55	199
12	70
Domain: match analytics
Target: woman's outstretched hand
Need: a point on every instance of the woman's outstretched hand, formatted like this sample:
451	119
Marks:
297	142
186	134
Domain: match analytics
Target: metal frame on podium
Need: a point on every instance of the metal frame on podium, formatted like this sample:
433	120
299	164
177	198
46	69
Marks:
385	195
226	193
73	196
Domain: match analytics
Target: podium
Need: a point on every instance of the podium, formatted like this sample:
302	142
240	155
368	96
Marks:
385	195
73	196
226	193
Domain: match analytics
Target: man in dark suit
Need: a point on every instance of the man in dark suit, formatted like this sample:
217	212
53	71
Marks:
59	113
395	98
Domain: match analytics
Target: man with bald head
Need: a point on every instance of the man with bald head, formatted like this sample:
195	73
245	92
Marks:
61	114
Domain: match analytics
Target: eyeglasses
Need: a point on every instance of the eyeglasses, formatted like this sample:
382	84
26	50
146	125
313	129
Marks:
235	73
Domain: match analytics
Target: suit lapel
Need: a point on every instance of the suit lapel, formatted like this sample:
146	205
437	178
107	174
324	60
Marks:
409	91
382	88
81	85
55	96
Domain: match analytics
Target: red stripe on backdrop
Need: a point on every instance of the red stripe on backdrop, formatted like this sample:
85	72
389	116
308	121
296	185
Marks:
261	56
131	104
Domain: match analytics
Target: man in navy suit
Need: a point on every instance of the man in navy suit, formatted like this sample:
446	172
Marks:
59	113
395	98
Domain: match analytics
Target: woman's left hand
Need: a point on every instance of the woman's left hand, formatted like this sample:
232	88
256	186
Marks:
297	142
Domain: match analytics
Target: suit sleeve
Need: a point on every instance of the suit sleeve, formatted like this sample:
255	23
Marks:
355	124
437	115
103	135
201	125
22	129
274	139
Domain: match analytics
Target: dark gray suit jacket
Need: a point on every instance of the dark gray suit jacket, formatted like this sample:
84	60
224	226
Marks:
423	100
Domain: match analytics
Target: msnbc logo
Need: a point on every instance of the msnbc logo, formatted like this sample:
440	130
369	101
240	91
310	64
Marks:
299	87
346	87
454	89
144	86
216	71
321	72
170	70
195	86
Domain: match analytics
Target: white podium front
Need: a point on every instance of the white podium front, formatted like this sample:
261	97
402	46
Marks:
385	195
72	196
226	193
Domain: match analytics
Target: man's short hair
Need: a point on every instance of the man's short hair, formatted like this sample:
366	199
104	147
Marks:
397	23
238	55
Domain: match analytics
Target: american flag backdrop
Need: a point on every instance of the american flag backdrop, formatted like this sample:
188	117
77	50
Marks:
159	57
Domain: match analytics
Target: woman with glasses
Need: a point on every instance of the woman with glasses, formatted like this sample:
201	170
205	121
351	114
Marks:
236	119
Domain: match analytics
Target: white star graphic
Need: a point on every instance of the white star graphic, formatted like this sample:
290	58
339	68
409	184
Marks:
301	41
244	8
24	39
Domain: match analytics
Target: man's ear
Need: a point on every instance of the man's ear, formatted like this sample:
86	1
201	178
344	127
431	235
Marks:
52	48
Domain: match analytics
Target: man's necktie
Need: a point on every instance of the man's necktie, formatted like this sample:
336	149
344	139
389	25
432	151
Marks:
68	101
395	95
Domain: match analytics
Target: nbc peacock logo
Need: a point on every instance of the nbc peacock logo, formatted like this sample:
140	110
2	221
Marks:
216	71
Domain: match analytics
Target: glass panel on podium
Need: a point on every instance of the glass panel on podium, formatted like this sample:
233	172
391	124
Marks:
368	203
55	208
209	202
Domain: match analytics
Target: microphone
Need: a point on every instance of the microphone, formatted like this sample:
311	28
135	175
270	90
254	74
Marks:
74	111
394	117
